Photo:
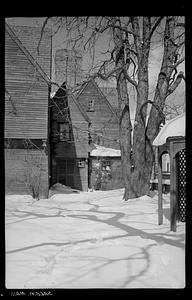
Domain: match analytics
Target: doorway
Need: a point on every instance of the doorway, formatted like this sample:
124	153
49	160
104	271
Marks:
65	171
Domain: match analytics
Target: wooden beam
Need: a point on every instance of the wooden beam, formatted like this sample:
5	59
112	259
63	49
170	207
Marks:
160	199
173	191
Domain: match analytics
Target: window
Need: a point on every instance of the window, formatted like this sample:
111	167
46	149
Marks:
91	105
64	132
106	165
80	163
168	167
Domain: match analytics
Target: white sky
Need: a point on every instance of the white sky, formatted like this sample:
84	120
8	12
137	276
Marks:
59	42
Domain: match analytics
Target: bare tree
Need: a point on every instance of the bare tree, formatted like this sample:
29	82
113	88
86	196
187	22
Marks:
171	110
131	40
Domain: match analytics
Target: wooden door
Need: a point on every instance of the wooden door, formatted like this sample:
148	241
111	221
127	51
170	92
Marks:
65	171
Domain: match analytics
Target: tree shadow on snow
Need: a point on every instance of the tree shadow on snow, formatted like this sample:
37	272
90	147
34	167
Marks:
114	221
131	231
143	254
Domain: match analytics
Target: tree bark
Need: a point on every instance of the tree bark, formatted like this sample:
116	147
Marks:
137	153
140	175
125	127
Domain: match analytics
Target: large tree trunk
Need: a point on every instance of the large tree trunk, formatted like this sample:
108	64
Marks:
125	127
137	154
136	167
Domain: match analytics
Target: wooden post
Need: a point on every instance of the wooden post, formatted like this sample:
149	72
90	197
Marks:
173	198
160	199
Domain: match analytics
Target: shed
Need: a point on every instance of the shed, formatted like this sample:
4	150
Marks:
106	172
171	139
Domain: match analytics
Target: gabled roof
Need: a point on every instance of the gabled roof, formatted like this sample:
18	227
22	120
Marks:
80	108
27	54
83	87
62	93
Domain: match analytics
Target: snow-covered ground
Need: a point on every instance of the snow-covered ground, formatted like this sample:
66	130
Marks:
92	240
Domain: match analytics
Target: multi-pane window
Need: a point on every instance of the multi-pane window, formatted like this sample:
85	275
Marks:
64	132
80	163
106	165
90	105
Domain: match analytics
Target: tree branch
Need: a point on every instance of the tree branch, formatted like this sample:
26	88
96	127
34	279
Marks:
131	50
42	31
181	25
129	78
178	62
115	27
103	76
155	26
136	29
176	83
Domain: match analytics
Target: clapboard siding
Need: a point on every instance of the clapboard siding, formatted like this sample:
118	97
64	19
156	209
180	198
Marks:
30	36
103	120
76	148
26	109
22	167
26	104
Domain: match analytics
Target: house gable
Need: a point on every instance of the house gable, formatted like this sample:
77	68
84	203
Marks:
26	92
104	120
27	53
79	121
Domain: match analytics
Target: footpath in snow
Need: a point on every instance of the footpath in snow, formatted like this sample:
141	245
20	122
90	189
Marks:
92	240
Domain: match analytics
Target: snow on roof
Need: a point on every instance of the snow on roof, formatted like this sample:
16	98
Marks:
174	127
103	151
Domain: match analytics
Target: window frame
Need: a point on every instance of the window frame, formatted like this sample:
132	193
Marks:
91	105
68	132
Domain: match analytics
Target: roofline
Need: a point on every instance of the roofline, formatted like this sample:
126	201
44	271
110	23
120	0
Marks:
70	94
99	90
27	54
108	103
82	88
80	108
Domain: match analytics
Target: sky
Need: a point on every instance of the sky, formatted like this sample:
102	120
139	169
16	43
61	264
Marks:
59	42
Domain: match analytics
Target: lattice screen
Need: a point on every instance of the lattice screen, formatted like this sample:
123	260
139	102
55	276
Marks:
182	186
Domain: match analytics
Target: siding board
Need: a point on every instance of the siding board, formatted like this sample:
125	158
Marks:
29	95
75	149
26	110
103	121
21	169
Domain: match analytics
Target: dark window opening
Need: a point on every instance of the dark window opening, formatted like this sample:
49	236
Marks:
64	132
168	167
106	165
80	163
91	105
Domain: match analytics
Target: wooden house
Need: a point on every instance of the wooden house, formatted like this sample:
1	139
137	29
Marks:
105	168
104	133
69	141
104	120
27	90
79	124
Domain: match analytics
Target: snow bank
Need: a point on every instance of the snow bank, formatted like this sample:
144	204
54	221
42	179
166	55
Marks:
104	151
174	127
92	240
